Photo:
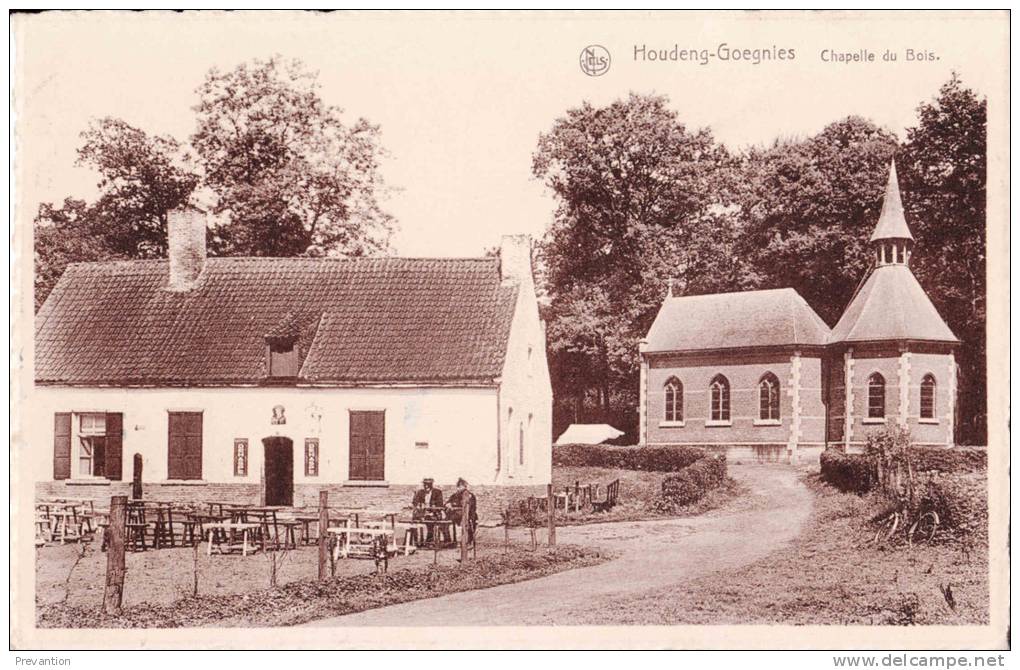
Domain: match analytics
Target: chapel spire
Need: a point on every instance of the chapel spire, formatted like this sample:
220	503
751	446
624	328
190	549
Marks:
892	241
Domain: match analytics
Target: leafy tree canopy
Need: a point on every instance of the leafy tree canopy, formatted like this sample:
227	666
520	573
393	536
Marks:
284	170
288	172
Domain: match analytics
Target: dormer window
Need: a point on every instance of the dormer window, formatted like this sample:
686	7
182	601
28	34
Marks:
283	358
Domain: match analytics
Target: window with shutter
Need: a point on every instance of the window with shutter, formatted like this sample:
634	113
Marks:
113	468
62	445
184	445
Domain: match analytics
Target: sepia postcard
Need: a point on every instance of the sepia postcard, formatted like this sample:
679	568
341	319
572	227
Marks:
514	330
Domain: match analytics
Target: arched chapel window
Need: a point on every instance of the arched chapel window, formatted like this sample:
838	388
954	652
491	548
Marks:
768	397
674	390
928	397
719	392
876	396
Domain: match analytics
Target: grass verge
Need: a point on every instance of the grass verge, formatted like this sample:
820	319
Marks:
639	493
306	600
831	574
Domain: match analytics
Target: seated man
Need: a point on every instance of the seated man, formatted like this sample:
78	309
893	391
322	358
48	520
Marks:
456	504
425	498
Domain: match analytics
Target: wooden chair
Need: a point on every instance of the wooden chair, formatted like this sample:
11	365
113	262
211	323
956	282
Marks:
163	526
612	493
289	532
136	527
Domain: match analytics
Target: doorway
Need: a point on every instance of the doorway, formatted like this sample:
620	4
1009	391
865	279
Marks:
279	459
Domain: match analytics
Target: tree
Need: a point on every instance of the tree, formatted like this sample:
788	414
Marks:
630	179
288	174
809	208
142	179
944	171
65	235
287	171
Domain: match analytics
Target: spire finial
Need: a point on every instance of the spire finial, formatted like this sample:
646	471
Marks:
891	222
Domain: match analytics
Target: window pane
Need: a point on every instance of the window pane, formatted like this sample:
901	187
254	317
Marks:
928	398
876	397
94	423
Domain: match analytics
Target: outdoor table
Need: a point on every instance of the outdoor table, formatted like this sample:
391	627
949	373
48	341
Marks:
223	527
265	516
386	514
218	507
436	525
306	521
64	525
346	547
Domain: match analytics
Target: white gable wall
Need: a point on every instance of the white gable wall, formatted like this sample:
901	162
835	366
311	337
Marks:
525	398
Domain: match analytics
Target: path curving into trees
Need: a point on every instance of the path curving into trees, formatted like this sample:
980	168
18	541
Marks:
652	555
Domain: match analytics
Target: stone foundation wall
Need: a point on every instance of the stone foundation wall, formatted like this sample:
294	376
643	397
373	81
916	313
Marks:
775	452
491	499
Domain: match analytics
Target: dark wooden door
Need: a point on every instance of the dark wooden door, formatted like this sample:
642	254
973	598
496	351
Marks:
368	445
279	471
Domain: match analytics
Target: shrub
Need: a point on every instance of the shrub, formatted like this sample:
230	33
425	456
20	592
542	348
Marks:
848	472
523	513
889	457
694	481
961	503
650	459
956	459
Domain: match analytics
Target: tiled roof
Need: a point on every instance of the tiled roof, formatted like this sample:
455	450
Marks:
891	305
776	317
356	320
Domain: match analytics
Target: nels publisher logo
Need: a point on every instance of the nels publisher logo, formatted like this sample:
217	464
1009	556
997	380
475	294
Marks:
595	60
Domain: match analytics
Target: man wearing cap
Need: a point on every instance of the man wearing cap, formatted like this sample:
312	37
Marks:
424	498
458	502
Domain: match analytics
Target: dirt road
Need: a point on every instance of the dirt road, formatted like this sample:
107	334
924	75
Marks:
652	555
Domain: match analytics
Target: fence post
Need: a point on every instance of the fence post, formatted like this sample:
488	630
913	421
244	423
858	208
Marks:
465	509
113	594
552	515
323	539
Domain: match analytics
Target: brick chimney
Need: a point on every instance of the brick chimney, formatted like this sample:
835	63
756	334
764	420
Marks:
186	232
515	259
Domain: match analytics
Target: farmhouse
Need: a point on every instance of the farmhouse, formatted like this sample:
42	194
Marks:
267	379
760	374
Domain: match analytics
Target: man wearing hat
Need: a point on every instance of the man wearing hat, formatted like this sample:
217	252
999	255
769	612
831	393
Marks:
424	498
458	502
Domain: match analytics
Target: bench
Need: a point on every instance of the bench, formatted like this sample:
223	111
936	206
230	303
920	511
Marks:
607	503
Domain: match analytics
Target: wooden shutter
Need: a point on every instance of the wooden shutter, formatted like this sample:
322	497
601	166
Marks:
175	447
193	453
367	446
114	445
62	445
184	445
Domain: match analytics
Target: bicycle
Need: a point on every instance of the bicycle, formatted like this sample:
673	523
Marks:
919	528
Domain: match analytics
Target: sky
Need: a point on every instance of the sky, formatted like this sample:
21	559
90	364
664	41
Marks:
462	98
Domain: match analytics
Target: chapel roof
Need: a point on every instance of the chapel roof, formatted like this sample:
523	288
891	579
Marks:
776	317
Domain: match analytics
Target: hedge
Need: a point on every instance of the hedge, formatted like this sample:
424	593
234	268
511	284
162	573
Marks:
693	482
848	472
961	501
955	459
651	459
856	473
